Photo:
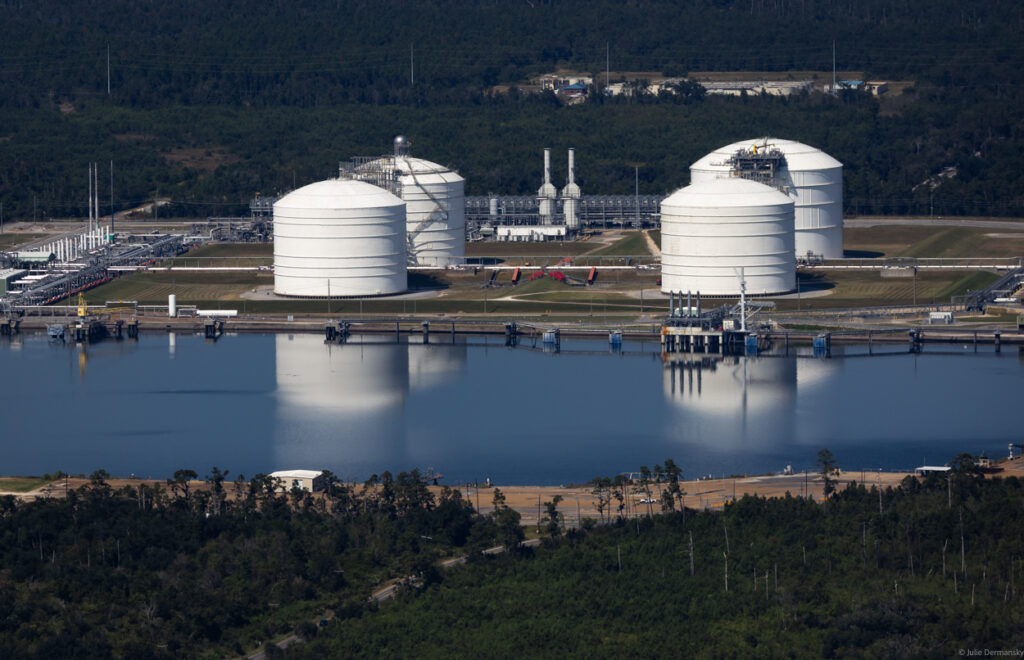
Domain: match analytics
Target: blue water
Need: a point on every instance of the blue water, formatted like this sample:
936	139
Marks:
476	410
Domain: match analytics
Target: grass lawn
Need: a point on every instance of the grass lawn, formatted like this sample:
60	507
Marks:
8	241
930	241
150	288
862	288
22	484
632	244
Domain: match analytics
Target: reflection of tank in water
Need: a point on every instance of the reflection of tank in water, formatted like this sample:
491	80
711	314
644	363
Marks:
733	400
726	386
340	407
432	365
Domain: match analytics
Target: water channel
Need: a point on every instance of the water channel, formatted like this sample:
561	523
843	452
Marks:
477	409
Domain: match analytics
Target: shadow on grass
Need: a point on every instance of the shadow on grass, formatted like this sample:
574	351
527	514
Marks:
813	282
862	254
426	282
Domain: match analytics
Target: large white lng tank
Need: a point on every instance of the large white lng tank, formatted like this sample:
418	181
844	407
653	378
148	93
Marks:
814	180
719	232
339	237
435	209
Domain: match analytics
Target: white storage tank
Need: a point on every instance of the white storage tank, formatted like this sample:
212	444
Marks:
435	211
721	231
814	180
339	237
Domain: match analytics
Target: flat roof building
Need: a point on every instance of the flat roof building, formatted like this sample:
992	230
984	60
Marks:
308	480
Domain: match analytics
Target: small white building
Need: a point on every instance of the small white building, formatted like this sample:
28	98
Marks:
527	233
308	480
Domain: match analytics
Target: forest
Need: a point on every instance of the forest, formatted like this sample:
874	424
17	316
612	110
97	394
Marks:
925	569
206	104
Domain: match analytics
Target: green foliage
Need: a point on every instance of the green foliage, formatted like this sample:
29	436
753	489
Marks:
208	129
145	571
836	579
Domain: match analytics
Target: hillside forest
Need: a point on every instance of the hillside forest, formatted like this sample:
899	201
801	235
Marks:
206	104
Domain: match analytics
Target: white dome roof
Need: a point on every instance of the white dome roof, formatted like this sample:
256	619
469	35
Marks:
406	165
338	193
726	193
799	156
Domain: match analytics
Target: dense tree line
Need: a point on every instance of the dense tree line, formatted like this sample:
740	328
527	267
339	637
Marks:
211	103
922	570
329	52
892	162
172	571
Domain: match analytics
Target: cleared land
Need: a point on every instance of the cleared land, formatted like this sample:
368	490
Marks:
931	241
700	494
860	288
21	484
616	292
8	241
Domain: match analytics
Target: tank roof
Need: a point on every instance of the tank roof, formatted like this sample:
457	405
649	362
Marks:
727	192
799	156
338	193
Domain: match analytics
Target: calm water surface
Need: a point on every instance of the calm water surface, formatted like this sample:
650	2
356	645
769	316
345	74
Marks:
258	403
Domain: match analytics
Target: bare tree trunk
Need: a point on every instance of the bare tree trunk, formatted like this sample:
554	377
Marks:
963	561
944	558
618	549
726	556
726	529
910	554
864	546
691	554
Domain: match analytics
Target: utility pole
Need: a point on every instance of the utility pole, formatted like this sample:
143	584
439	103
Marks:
108	69
111	198
636	174
607	64
833	66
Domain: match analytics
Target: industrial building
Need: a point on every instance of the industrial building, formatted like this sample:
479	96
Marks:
726	237
340	237
308	480
811	177
8	276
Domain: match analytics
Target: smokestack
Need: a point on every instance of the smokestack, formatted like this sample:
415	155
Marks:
547	166
572	166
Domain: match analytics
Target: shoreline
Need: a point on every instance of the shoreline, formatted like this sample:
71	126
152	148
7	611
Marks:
579	503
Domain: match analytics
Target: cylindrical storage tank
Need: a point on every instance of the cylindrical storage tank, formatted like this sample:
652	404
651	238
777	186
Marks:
339	237
811	177
715	233
435	212
172	306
